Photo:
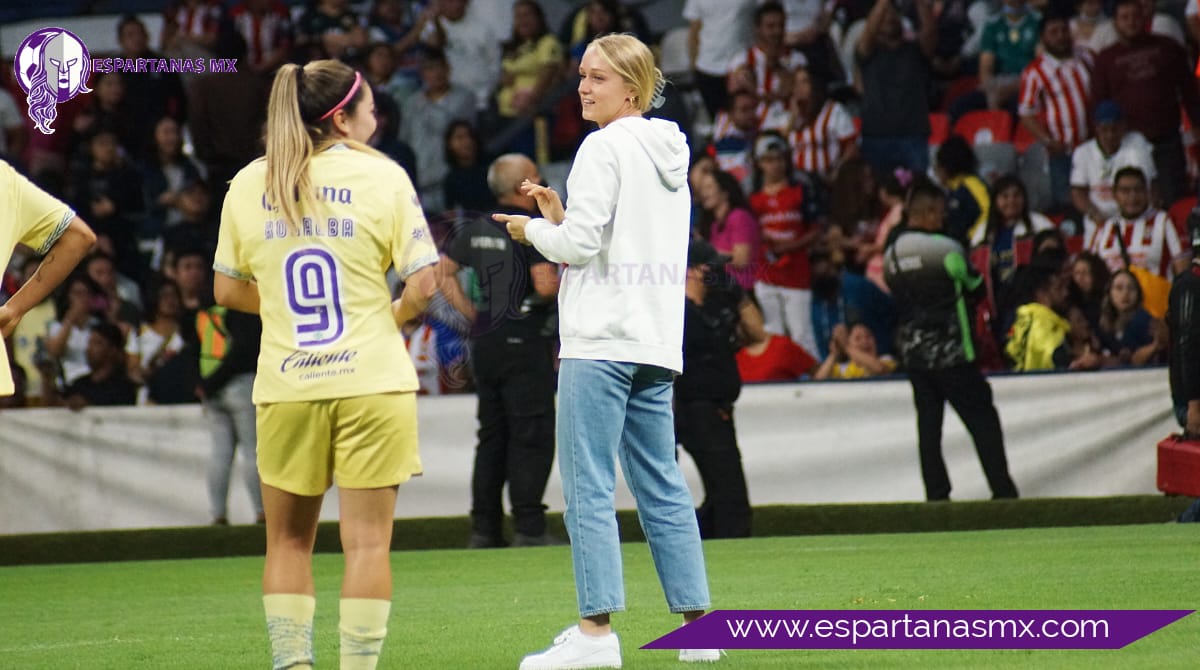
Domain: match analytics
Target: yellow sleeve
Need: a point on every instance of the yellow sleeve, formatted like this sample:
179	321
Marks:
979	189
1017	347
229	259
412	244
40	217
549	50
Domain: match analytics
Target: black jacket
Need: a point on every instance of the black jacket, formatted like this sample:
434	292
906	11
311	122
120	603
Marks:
1183	321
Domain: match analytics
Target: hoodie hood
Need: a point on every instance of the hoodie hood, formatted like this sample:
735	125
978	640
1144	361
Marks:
663	142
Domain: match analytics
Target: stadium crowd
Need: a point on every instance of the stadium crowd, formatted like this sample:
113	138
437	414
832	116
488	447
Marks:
1060	132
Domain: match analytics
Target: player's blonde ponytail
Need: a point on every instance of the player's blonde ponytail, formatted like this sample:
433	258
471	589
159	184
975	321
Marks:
289	146
296	131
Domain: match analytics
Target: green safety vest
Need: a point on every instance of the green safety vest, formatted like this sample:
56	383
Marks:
214	338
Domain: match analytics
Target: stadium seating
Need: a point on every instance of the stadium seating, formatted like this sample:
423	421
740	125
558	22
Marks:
1179	212
939	128
958	88
984	126
1022	138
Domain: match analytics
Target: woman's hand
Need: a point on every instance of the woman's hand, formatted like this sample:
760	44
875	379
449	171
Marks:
547	199
9	318
515	224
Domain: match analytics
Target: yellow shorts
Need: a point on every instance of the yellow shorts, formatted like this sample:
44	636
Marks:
365	442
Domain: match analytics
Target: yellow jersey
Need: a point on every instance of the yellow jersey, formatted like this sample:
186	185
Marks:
34	218
328	330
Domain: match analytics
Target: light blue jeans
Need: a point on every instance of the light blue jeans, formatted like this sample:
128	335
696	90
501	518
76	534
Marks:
231	416
609	410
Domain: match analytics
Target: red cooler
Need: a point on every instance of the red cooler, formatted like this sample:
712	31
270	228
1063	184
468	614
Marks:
1179	466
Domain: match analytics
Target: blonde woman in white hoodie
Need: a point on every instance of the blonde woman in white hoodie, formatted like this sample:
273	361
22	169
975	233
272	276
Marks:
624	238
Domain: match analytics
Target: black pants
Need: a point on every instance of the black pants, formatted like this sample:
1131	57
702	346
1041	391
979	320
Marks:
969	394
713	91
514	380
1171	165
705	429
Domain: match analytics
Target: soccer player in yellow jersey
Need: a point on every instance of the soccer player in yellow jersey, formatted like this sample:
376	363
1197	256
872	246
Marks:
37	219
307	235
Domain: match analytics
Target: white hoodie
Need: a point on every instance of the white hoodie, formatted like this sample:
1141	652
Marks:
625	240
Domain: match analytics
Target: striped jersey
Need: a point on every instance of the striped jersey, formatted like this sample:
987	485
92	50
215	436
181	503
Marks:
1060	92
768	80
263	33
818	145
1151	239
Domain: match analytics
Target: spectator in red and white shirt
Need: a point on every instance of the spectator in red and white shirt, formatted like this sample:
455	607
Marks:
783	288
1054	101
1146	234
734	132
191	28
821	132
1095	162
766	67
266	26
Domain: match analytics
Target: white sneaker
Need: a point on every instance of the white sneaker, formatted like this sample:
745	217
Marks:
573	649
700	655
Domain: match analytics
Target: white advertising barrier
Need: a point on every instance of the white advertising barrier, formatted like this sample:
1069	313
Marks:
1082	434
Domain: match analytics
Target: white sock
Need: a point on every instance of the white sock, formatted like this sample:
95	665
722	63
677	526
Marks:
363	627
290	627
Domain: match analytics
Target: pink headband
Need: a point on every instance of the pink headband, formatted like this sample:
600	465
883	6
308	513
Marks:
353	90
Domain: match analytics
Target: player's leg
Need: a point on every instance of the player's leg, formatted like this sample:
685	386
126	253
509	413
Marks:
374	451
293	460
288	595
367	516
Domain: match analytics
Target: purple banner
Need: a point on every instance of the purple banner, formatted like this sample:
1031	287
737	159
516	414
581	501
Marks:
918	629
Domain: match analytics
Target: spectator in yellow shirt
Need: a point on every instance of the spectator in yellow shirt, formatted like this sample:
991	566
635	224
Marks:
853	355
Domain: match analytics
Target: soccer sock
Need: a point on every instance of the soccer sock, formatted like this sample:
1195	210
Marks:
290	627
363	627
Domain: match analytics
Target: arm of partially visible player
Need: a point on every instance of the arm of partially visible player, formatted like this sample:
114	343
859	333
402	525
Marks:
60	260
233	281
419	289
448	269
239	294
414	254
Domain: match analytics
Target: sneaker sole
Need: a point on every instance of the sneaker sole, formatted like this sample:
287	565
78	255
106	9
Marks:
578	665
582	665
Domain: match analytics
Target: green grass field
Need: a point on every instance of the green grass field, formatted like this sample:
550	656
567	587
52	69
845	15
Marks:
460	609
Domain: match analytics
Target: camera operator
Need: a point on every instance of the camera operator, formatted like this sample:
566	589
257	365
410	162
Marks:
1183	322
717	316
